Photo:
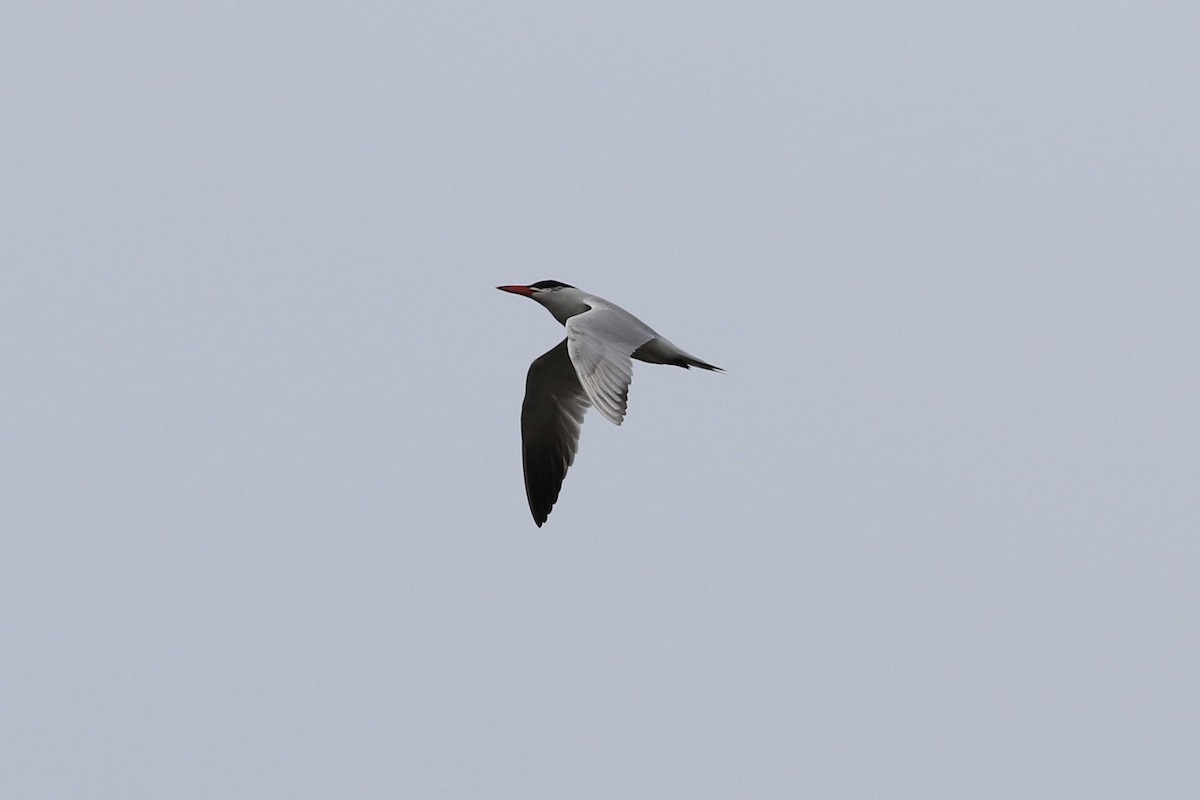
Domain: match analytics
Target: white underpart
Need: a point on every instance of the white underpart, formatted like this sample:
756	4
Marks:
601	342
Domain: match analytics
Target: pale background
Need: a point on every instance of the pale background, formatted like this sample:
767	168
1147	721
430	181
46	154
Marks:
934	535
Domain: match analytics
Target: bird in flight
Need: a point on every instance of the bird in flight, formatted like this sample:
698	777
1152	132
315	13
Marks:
591	367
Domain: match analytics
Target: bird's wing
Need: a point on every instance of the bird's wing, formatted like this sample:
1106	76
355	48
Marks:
600	342
550	418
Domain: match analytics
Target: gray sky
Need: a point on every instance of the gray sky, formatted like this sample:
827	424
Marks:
934	535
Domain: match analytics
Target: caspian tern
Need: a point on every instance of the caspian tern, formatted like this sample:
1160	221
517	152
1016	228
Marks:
591	367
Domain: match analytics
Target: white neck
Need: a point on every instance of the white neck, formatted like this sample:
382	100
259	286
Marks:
563	303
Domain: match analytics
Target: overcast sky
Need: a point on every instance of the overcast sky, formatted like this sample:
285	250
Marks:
933	535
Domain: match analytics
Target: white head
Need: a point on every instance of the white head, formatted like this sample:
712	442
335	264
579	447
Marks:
560	299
